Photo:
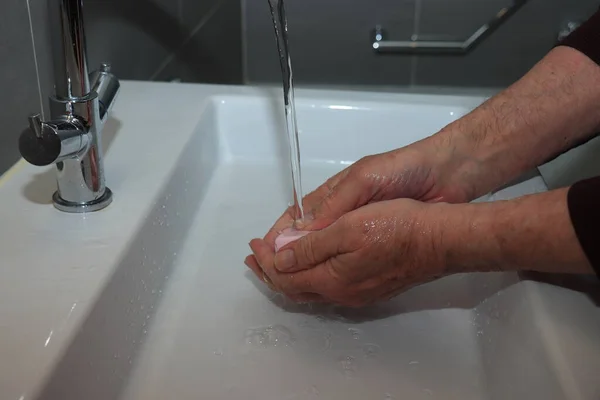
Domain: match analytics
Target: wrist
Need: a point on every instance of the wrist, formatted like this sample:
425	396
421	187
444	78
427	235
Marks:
456	167
531	233
466	239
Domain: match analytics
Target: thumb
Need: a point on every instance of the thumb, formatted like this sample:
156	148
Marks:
310	250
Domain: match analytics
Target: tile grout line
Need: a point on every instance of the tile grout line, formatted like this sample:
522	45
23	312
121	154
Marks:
180	11
193	32
244	39
35	60
416	31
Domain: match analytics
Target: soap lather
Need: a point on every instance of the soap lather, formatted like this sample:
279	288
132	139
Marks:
288	236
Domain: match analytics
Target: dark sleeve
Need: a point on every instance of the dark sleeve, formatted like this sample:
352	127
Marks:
584	196
584	208
586	38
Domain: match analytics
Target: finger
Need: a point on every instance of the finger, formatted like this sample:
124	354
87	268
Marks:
302	298
349	193
260	274
310	202
311	250
285	221
317	280
265	256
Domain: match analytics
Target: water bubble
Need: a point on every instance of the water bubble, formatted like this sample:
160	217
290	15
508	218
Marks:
218	352
428	392
270	336
388	396
371	350
413	363
348	366
355	333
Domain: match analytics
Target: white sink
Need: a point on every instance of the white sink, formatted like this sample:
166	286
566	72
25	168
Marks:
149	299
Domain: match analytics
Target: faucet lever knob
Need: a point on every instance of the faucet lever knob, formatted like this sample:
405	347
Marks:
105	67
35	124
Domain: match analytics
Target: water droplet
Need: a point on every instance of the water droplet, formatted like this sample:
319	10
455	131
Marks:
270	336
371	350
355	333
348	366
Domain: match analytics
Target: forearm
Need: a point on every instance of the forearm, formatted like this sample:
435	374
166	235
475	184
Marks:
532	233
550	110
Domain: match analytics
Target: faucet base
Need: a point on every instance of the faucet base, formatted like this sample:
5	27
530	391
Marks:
81	208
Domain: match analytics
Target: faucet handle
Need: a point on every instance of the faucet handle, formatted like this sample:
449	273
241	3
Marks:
45	143
39	144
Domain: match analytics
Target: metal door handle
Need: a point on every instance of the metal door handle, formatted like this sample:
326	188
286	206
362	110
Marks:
459	47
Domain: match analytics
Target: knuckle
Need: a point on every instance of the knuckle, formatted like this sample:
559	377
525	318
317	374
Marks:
307	251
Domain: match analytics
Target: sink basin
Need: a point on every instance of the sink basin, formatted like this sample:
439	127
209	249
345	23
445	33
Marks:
149	299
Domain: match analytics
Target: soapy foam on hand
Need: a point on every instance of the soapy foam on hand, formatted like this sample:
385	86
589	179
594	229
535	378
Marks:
288	236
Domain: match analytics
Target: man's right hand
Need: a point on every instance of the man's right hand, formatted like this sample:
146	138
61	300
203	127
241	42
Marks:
423	171
428	171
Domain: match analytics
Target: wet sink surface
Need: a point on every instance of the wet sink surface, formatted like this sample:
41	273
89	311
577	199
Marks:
179	316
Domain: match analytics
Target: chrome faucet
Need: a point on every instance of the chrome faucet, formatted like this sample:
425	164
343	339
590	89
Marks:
79	109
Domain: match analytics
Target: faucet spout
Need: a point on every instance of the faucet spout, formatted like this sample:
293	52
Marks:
69	48
79	109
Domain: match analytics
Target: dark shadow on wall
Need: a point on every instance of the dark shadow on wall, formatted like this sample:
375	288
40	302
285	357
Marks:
209	52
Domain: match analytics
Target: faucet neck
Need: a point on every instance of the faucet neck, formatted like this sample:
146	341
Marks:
69	47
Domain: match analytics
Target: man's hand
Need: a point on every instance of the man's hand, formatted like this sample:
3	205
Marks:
367	255
422	171
385	248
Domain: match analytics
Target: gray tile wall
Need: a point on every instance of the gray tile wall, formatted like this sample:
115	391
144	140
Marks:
331	40
192	40
18	78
